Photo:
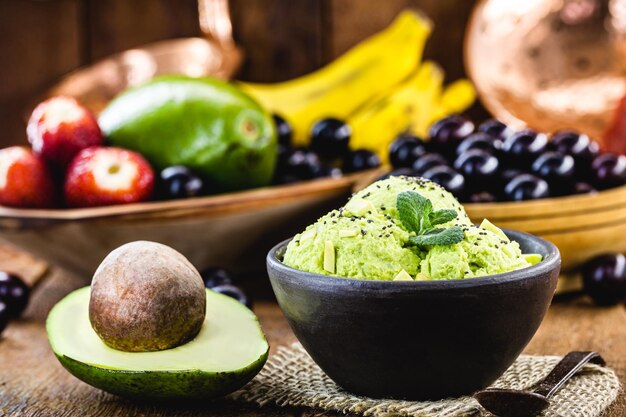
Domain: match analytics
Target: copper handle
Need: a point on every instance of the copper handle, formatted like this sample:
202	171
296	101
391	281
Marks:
215	23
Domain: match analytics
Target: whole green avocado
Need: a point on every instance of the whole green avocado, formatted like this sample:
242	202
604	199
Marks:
205	124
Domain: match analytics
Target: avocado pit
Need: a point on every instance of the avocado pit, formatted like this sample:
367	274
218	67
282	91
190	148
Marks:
146	297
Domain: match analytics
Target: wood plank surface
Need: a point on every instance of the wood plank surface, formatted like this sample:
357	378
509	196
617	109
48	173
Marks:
116	25
39	42
282	39
33	383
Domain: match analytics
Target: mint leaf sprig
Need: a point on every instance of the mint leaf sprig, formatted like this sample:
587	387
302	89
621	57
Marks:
417	215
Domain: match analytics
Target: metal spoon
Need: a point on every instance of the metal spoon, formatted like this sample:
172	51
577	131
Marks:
517	403
216	54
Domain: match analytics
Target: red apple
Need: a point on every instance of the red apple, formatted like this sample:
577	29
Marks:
61	127
25	180
103	176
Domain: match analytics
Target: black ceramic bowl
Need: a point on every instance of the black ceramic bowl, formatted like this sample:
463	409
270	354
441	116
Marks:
417	340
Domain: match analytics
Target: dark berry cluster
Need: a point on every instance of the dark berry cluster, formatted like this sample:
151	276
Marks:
494	163
329	154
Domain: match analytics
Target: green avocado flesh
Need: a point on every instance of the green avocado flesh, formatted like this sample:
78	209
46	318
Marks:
208	125
228	352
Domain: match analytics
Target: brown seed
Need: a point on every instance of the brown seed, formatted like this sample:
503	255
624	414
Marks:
146	296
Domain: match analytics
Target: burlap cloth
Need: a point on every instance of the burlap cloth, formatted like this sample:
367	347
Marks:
291	378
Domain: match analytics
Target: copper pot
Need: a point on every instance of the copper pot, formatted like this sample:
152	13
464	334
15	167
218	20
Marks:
552	64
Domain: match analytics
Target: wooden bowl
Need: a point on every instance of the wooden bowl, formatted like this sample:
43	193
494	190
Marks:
232	230
581	226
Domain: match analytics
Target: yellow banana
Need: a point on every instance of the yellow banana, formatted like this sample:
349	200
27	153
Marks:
375	125
370	68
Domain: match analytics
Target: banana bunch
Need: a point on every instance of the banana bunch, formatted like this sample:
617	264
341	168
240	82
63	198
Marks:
380	88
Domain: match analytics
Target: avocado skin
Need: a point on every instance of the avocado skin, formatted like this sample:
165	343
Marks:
163	385
195	122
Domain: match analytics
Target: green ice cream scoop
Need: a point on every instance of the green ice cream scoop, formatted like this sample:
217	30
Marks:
366	239
205	124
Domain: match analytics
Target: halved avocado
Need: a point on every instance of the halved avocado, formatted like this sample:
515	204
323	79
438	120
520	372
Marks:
228	352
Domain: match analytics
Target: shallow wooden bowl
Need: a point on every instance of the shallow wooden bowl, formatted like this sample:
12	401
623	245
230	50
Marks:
232	230
582	226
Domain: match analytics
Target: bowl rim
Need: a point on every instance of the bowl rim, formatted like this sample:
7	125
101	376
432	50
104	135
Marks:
556	206
550	262
251	197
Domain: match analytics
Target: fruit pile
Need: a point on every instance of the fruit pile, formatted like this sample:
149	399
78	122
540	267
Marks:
14	294
494	163
69	165
328	155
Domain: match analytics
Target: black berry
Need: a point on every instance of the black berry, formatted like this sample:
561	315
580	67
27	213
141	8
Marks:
215	276
360	160
428	161
14	293
523	147
448	178
526	187
447	133
577	145
557	169
495	128
477	166
608	171
604	279
179	182
330	137
283	131
234	292
303	163
480	141
405	150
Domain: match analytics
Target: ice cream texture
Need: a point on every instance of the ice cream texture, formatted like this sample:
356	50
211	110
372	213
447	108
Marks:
365	239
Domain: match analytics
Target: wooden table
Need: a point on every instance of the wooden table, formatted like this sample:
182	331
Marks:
33	383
